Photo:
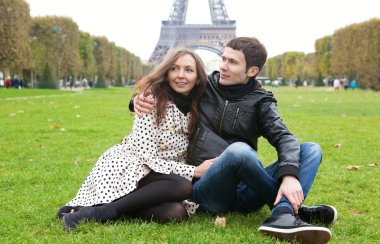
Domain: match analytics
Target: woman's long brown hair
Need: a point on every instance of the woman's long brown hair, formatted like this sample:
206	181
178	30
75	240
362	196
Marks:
155	82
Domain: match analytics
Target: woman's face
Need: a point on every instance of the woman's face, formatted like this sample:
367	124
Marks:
182	75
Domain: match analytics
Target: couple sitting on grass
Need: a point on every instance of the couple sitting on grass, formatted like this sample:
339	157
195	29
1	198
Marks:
193	147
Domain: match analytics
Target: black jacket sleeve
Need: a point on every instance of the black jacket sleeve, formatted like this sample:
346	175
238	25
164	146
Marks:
278	135
131	105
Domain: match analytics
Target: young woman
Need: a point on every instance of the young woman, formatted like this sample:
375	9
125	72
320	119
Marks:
146	176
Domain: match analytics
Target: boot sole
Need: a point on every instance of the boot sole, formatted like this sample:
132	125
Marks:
317	235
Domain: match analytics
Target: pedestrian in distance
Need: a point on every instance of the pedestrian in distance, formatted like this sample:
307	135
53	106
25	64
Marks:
8	82
336	84
353	85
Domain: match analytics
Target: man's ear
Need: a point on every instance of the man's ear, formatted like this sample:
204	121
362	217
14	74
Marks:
253	71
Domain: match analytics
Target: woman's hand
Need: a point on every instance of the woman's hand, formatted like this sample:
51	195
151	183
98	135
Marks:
143	104
201	169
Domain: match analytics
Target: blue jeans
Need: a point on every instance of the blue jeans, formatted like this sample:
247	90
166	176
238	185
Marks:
237	181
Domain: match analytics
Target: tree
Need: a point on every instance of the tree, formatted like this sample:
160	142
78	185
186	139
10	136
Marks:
356	53
15	24
86	50
292	65
323	48
102	55
47	76
111	73
56	40
308	67
273	67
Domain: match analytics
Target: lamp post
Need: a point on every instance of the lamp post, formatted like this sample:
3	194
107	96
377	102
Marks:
57	30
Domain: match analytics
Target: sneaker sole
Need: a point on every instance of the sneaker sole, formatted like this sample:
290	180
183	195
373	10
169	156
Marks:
302	234
335	215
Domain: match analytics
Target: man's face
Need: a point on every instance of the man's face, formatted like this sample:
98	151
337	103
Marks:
232	68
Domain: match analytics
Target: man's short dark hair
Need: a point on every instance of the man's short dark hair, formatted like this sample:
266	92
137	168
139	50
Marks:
254	51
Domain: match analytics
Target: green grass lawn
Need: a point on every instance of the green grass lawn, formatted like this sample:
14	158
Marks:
51	139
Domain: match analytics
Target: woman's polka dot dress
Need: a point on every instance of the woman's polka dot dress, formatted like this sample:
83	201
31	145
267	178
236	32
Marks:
148	147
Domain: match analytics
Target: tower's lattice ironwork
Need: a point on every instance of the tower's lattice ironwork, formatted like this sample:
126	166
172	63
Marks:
212	37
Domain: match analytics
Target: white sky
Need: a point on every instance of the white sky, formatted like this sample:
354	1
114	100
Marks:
281	25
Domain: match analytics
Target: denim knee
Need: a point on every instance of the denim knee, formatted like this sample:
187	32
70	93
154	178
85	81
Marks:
311	149
241	153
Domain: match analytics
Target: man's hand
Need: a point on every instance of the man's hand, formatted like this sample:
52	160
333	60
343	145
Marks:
201	169
290	188
143	104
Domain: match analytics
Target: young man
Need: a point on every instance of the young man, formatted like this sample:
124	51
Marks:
233	113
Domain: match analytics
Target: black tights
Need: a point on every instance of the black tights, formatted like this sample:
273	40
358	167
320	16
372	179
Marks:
158	197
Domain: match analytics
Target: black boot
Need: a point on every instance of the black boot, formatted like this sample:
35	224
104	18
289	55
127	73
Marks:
67	209
99	214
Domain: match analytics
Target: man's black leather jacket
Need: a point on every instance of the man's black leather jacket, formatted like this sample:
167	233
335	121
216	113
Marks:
223	122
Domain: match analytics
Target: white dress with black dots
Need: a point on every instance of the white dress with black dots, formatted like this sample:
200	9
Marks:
148	147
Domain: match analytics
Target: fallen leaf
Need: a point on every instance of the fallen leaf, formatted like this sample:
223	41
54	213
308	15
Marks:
20	111
77	161
50	120
12	114
78	115
56	127
373	165
77	106
353	167
220	221
338	145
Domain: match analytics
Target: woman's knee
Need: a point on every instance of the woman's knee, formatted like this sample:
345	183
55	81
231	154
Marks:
183	187
175	211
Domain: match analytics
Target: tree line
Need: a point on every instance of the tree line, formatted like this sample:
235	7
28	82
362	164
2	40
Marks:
52	48
351	53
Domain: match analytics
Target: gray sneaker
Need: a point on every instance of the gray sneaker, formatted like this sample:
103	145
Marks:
320	214
291	228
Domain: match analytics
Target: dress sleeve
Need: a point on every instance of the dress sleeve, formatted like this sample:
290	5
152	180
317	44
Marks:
144	140
184	170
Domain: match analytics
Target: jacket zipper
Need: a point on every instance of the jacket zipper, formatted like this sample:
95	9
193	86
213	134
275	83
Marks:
221	120
237	113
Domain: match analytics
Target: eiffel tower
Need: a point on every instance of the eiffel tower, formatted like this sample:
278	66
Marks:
212	37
